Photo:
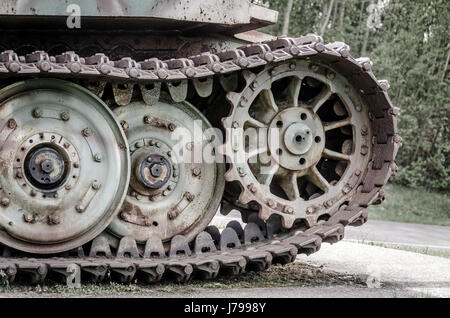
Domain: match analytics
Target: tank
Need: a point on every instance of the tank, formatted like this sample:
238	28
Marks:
125	126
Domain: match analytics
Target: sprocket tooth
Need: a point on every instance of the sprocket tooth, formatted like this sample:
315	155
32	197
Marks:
249	76
231	175
287	221
233	98
245	197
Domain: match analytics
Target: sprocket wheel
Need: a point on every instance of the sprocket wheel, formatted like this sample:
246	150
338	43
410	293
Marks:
295	136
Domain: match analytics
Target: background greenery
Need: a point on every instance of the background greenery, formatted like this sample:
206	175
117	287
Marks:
410	46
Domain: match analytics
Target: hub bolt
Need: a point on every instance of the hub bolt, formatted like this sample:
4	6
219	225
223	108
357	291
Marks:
4	202
271	203
65	116
12	124
86	132
196	171
98	157
79	208
96	185
37	113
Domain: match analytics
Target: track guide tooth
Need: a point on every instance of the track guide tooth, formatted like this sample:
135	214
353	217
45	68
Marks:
100	247
237	227
154	248
252	234
229	239
127	248
179	246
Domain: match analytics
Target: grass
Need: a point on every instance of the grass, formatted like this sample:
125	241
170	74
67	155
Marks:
425	251
413	206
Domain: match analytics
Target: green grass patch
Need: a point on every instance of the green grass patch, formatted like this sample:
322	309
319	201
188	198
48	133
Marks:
419	250
408	205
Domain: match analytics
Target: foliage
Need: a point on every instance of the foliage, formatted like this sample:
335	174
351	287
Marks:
410	47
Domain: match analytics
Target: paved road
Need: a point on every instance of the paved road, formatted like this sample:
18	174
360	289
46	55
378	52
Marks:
421	236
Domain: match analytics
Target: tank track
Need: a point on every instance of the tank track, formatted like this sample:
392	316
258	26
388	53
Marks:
235	250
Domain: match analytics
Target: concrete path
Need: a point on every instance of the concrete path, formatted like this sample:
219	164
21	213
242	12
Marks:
420	236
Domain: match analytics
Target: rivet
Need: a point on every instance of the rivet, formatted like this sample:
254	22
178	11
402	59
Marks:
96	185
139	144
166	193
56	195
68	187
97	157
33	193
76	165
158	144
241	172
310	210
172	127
66	145
190	197
252	188
235	124
358	172
12	124
170	187
79	208
358	107
86	132
169	153
65	116
37	113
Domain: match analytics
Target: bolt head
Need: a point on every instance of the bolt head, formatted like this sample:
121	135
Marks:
96	185
5	202
86	132
97	157
196	171
65	116
79	208
37	113
235	124
12	124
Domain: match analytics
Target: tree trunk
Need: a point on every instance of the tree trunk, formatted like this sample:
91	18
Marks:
445	65
341	15
327	18
287	15
366	36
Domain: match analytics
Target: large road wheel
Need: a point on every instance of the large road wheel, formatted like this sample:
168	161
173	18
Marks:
174	190
64	166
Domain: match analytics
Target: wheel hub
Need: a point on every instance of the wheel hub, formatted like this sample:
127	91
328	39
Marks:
154	171
296	138
45	167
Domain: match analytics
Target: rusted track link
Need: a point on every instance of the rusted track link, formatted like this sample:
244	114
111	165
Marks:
226	252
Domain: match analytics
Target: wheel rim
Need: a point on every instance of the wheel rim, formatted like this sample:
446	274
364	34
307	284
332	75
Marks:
66	166
314	138
179	197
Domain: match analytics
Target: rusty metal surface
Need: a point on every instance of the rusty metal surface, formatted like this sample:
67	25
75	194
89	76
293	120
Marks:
255	247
